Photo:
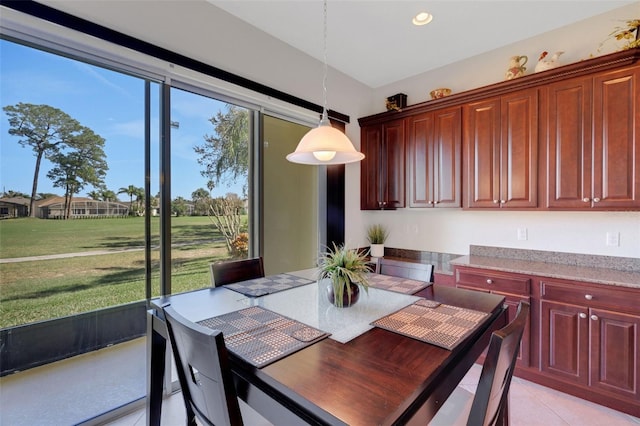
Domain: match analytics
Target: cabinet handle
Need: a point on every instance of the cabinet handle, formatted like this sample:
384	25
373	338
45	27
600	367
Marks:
489	281
582	315
594	317
596	200
588	296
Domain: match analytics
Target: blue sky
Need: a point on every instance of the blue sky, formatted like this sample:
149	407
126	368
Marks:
112	105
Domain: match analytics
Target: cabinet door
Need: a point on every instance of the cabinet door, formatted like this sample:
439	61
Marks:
564	341
370	175
568	144
433	156
420	160
519	150
446	155
616	139
482	153
615	352
393	164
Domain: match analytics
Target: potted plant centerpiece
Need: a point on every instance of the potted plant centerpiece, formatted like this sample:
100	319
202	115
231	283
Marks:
377	235
347	270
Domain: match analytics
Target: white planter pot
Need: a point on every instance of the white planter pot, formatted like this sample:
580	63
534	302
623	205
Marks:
377	250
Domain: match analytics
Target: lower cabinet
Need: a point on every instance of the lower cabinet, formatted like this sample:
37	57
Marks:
583	338
590	336
512	286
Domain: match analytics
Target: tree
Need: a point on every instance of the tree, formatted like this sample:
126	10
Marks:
132	191
226	215
201	199
45	129
225	155
179	206
14	194
83	164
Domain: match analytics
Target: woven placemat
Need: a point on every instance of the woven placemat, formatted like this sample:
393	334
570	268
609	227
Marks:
397	284
260	336
267	285
431	322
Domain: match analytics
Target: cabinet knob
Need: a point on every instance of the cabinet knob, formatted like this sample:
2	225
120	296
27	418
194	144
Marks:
586	199
582	315
596	200
502	201
489	281
594	317
588	296
495	201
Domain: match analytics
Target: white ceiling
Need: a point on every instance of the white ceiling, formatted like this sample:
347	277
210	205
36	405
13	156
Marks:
375	42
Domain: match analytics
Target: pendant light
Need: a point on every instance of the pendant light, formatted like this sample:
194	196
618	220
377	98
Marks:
324	144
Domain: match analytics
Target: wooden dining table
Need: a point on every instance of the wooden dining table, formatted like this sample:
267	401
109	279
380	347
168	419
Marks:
378	377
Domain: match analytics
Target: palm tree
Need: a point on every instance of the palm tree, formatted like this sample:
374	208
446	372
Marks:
131	191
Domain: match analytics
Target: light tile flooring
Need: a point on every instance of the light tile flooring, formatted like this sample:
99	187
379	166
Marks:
63	393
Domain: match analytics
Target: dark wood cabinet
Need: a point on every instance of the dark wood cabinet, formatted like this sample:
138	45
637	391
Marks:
433	158
382	180
592	146
501	151
514	287
563	139
590	336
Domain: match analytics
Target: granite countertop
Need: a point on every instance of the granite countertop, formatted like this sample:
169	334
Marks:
623	272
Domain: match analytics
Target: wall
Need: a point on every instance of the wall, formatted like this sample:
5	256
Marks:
453	230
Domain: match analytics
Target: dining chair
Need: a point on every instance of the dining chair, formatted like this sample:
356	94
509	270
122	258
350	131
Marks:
236	270
490	404
203	372
411	270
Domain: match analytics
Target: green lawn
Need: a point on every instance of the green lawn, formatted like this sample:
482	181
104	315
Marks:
45	289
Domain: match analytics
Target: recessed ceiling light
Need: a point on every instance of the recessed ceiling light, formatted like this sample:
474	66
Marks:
422	18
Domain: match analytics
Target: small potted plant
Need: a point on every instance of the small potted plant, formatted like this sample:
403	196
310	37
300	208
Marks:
377	235
347	270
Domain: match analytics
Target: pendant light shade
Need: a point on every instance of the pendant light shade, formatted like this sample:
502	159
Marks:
324	144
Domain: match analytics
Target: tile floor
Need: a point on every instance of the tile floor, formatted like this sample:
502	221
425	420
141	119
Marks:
67	392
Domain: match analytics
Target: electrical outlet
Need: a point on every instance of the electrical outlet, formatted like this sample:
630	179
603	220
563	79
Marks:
613	239
522	234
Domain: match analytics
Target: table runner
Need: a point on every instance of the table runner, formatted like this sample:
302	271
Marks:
431	322
267	285
261	336
397	284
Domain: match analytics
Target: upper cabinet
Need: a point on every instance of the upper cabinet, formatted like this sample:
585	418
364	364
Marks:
501	151
433	158
562	139
593	141
382	180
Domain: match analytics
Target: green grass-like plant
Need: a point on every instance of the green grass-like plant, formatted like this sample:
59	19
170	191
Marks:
344	266
377	234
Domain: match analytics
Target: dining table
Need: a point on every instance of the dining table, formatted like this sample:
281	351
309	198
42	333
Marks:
385	360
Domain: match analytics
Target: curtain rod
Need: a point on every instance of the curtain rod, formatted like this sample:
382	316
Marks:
39	10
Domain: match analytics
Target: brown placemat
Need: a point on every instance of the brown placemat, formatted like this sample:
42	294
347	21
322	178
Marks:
260	336
266	285
431	322
397	284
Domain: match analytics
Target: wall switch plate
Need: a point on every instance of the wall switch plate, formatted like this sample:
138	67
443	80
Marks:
522	234
613	239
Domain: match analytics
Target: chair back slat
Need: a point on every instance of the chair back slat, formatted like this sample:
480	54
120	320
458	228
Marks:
203	371
237	270
491	399
411	270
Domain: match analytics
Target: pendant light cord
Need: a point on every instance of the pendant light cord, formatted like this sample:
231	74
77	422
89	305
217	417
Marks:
324	77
